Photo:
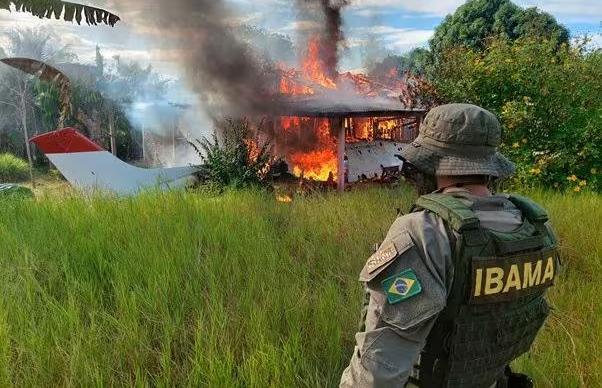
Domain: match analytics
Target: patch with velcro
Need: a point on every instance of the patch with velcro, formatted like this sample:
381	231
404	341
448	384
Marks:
502	279
389	251
402	286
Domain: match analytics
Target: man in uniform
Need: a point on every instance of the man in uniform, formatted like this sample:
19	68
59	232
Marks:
456	290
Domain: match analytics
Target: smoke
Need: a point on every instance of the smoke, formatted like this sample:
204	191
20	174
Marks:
222	69
330	32
227	74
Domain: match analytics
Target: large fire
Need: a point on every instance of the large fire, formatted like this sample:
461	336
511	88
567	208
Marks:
318	160
313	67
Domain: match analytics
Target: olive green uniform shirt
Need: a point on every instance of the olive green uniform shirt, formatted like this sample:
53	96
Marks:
387	351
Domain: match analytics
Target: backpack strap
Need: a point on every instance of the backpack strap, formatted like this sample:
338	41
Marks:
456	214
536	215
459	216
532	211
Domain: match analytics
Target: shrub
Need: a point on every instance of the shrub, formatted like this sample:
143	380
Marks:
13	169
549	100
236	159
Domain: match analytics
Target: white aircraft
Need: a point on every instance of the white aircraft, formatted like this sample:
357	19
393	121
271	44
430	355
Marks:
89	167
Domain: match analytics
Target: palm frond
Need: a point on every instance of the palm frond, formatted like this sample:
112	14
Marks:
46	73
47	9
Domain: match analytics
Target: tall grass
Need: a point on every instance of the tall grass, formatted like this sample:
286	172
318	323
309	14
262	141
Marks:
235	290
13	169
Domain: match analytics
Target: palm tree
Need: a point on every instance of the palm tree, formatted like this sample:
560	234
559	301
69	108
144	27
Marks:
62	9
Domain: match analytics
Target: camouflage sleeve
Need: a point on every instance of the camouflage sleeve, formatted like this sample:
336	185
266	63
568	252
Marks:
408	279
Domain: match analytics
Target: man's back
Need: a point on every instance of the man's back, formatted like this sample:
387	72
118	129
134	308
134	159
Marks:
460	282
410	280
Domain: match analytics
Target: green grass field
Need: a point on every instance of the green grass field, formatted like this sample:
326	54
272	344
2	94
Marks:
235	290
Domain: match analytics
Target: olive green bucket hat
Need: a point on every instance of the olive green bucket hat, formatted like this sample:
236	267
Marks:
459	139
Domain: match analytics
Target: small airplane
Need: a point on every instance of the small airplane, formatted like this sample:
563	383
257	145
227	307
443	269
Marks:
89	167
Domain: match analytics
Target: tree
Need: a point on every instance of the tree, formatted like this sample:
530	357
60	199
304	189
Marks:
477	20
414	62
57	9
549	100
18	91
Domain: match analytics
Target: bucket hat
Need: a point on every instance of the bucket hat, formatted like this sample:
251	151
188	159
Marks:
459	139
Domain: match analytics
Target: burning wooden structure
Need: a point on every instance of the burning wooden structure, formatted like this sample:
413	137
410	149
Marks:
317	138
320	111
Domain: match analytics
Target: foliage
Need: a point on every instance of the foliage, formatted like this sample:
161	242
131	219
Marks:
13	169
549	101
38	43
11	192
44	72
414	62
237	159
41	45
101	94
235	290
477	20
267	44
129	81
62	9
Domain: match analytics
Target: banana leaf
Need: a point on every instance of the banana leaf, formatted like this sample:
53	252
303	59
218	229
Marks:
54	8
46	73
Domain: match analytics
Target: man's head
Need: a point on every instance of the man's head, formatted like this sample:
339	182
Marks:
458	142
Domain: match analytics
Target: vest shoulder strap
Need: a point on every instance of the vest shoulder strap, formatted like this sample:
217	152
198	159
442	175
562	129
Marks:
459	216
531	210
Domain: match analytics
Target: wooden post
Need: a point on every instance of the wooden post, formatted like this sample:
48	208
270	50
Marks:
338	125
112	132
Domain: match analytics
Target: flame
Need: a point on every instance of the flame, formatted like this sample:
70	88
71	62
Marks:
319	161
317	165
284	198
253	149
290	122
289	85
387	128
313	66
362	128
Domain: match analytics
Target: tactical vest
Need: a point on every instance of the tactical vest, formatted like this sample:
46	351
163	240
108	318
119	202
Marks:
496	305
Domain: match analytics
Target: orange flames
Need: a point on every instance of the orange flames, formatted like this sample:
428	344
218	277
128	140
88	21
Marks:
316	165
319	160
313	66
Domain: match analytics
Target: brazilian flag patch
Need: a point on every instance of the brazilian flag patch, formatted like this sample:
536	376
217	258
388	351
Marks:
401	286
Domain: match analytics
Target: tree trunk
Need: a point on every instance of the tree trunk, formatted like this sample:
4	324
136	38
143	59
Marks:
26	135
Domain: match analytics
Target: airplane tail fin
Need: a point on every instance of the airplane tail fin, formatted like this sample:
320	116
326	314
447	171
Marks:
88	166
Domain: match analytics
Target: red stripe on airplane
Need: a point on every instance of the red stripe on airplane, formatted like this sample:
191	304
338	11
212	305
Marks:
65	141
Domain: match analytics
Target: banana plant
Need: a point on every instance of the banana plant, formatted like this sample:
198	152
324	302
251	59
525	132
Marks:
62	9
45	72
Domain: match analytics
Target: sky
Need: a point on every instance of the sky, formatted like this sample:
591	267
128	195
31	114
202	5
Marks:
394	26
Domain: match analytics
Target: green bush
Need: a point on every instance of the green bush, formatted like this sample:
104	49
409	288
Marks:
549	100
238	159
13	169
